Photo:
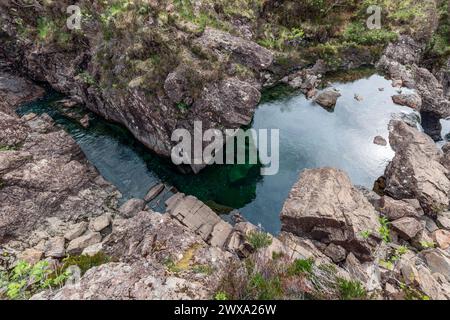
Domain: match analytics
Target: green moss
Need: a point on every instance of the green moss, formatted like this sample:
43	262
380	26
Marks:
277	92
349	75
85	262
218	208
183	107
203	269
87	78
8	148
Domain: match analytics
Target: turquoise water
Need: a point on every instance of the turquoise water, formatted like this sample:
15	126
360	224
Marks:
309	137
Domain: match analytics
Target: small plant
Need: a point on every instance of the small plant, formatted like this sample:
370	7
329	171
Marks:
24	280
87	78
366	234
259	240
384	230
301	267
412	293
386	264
203	269
221	296
427	244
265	289
183	107
351	290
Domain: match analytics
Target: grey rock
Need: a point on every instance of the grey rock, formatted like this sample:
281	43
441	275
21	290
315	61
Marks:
328	99
336	253
407	228
93	249
76	230
415	171
31	256
55	247
15	90
442	238
100	223
438	262
379	140
443	220
198	217
77	245
131	207
396	209
313	209
409	100
154	192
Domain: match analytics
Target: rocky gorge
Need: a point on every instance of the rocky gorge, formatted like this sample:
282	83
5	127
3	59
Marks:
337	240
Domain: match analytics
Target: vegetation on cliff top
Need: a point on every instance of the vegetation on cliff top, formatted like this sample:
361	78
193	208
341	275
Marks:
137	43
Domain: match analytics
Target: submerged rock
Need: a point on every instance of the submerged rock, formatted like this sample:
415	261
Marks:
409	100
379	140
154	192
328	99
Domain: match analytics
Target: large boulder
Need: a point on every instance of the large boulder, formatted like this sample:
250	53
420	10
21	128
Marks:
397	209
409	100
416	171
328	99
325	206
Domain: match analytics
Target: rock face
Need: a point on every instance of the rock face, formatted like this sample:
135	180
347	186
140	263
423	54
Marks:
325	206
328	99
15	90
43	174
193	79
407	228
397	209
416	172
409	100
401	62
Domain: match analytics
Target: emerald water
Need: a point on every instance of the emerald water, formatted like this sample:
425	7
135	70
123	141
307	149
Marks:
310	137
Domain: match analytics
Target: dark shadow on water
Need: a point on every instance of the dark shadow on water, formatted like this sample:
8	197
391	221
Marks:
133	169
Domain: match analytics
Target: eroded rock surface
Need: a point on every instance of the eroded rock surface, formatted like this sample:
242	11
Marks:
416	171
325	206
